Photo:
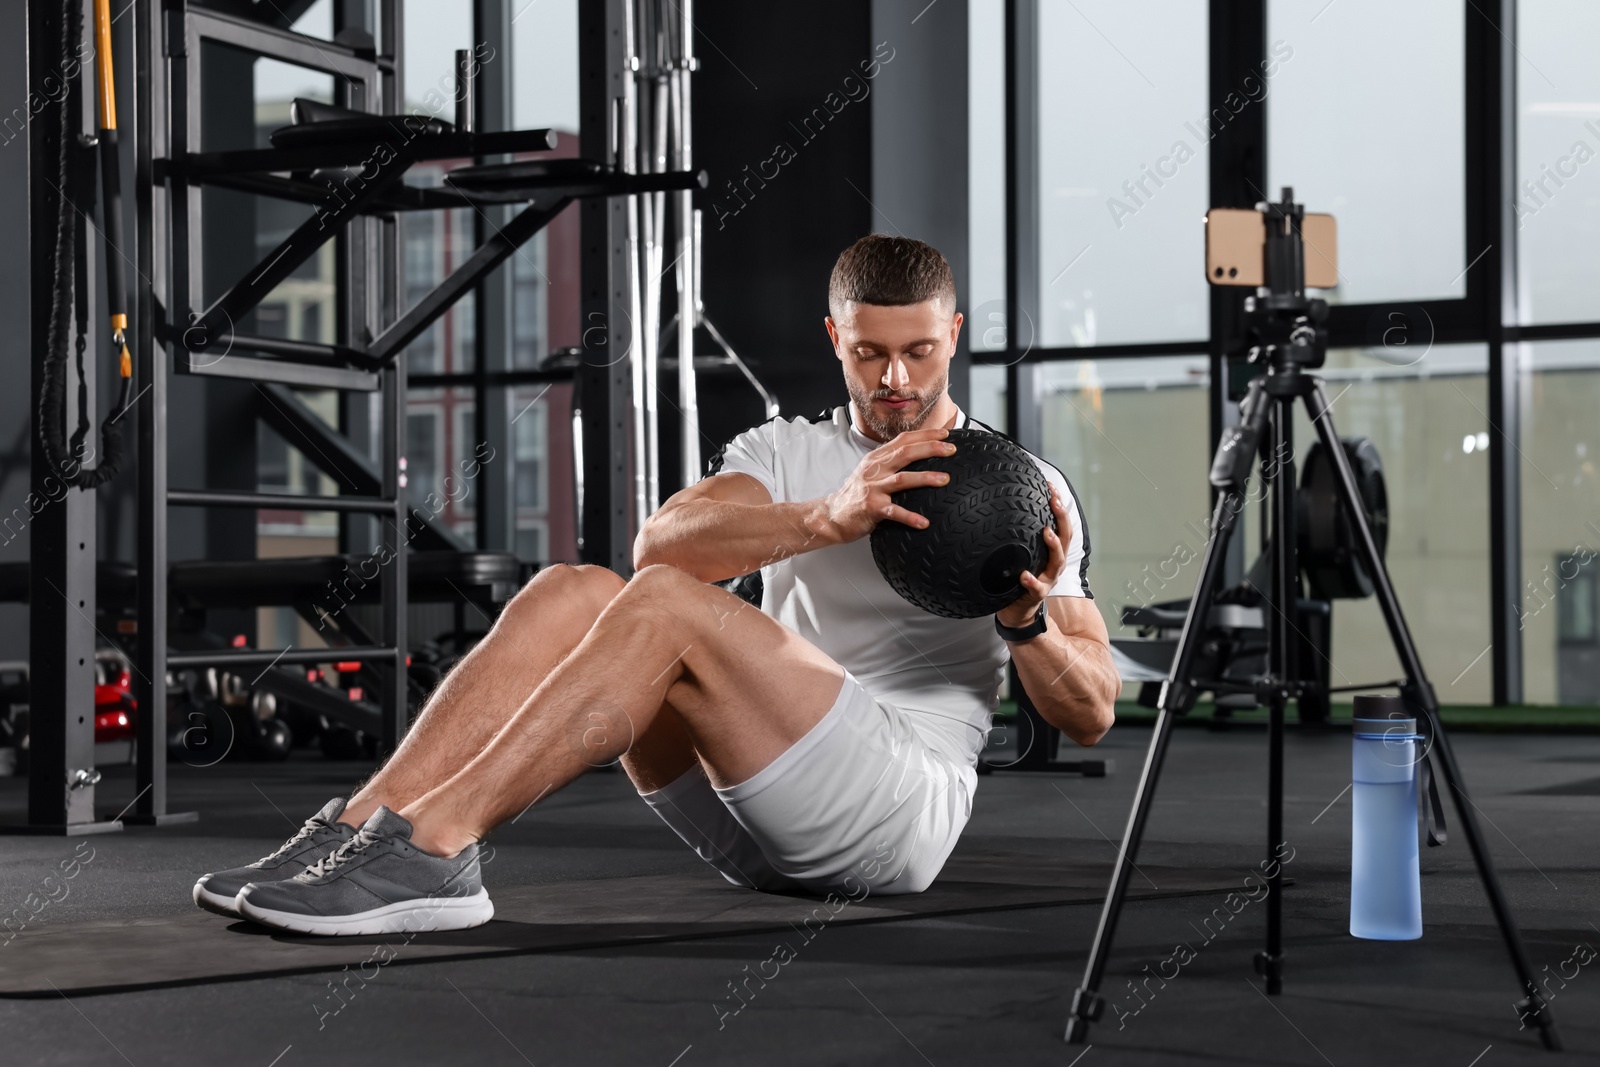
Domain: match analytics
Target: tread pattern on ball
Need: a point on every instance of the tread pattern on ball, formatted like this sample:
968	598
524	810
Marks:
997	494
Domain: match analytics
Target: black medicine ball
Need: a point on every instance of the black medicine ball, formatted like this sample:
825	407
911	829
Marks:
984	529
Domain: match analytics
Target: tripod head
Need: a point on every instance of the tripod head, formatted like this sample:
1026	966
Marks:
1283	327
1285	331
1266	250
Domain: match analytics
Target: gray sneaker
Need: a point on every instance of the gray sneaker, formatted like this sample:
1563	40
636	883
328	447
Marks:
321	834
376	883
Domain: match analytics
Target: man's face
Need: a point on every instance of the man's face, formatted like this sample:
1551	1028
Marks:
896	362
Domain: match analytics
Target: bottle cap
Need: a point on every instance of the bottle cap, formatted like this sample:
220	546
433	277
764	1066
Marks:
1376	706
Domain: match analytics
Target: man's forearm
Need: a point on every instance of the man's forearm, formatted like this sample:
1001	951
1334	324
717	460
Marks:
717	539
1071	680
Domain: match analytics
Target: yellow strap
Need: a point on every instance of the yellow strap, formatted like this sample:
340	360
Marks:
108	90
127	362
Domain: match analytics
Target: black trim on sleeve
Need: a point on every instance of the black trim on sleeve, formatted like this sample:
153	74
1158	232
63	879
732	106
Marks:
1083	525
714	464
985	426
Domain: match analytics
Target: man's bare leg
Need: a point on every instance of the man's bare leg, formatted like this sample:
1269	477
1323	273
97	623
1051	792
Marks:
667	649
536	630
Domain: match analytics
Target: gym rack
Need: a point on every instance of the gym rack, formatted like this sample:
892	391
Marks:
348	160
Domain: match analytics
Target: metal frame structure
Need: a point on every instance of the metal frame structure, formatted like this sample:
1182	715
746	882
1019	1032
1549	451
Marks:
171	36
63	543
1486	314
373	337
357	211
642	113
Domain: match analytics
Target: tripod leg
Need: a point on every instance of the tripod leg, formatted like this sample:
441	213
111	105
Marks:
1087	1003
1277	469
1269	963
1176	698
1420	693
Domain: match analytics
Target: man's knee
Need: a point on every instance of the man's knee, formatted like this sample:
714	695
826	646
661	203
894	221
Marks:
665	591
679	607
662	578
584	588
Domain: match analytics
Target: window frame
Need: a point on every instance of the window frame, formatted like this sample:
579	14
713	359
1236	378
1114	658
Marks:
1236	42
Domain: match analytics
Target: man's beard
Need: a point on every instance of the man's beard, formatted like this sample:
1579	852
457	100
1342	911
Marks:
888	423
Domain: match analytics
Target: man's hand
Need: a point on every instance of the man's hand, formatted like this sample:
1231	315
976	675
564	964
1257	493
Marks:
1068	670
1020	612
862	502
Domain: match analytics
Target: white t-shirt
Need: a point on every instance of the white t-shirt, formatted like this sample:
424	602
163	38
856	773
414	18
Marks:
945	672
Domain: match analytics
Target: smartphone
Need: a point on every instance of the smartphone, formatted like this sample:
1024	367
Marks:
1320	235
1236	242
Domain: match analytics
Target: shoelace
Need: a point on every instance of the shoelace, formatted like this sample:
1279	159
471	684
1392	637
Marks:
311	826
363	839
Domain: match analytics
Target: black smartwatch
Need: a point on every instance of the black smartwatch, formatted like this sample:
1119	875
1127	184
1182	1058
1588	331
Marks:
1021	633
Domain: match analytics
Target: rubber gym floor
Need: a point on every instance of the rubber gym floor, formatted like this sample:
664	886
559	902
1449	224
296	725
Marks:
975	988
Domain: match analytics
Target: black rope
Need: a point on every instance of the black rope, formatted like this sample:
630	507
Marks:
52	398
80	282
69	280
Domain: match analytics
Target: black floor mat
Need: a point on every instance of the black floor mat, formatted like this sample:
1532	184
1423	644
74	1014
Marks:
197	947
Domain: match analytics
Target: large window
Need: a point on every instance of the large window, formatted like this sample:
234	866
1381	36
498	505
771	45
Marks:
1557	198
1382	114
1122	158
544	42
1428	417
538	62
1560	521
301	307
436	243
424	449
420	235
984	301
1123	433
1367	120
434	30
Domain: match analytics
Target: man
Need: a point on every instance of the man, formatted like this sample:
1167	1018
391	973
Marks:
827	740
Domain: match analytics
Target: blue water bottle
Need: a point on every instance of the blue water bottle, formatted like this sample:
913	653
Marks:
1385	883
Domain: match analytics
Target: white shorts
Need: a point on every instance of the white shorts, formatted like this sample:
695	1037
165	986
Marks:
862	801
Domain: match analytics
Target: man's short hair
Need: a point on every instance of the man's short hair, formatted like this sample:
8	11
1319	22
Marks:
890	272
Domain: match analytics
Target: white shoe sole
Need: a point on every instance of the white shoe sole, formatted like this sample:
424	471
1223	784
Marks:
215	902
425	914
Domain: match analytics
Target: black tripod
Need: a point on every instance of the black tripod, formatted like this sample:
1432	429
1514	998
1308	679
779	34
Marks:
1287	337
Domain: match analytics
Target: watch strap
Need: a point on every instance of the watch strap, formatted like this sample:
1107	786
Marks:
1022	633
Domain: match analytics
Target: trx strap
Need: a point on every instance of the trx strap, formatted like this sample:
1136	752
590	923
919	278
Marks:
69	271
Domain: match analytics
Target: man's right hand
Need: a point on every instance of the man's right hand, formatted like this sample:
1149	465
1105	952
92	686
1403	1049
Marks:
863	501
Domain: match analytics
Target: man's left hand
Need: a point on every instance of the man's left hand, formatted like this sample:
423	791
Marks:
1035	587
